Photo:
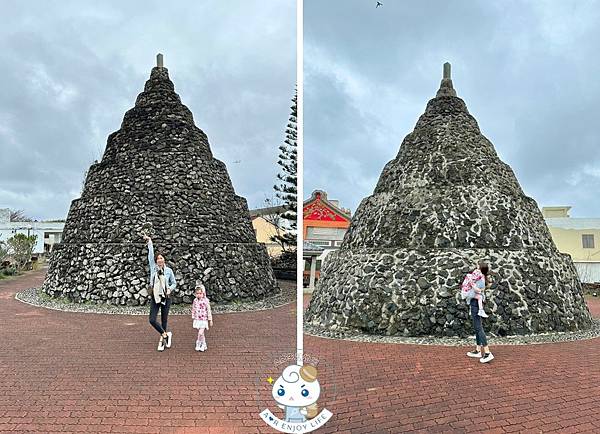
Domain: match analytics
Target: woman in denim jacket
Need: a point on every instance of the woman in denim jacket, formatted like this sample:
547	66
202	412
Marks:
162	284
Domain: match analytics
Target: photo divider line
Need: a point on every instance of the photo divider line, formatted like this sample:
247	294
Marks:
300	182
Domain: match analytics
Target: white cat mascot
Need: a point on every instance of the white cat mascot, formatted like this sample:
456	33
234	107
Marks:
296	391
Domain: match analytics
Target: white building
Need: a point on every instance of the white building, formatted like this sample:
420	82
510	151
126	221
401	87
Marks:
579	237
48	233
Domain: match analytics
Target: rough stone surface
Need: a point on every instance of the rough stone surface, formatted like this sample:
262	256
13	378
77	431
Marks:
443	204
158	175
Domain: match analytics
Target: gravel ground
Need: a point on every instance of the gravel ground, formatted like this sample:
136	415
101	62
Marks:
543	338
35	297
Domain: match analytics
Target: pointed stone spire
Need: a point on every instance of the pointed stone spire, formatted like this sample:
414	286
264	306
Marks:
158	157
445	203
446	88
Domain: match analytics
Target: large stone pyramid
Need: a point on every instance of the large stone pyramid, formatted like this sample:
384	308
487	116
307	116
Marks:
158	175
443	204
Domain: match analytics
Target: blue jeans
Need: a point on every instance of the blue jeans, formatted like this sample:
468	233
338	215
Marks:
479	333
164	314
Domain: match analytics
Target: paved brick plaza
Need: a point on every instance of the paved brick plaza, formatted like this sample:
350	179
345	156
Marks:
101	373
408	388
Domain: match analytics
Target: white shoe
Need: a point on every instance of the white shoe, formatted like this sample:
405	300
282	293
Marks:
198	347
482	313
169	338
161	345
476	354
203	347
487	358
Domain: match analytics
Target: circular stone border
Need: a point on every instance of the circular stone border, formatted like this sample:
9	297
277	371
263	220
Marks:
35	297
542	338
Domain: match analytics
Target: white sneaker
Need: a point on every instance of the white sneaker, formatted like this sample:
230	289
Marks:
161	345
482	313
203	347
487	358
198	346
476	354
169	338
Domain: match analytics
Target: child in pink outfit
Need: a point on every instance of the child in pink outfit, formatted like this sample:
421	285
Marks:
202	316
472	287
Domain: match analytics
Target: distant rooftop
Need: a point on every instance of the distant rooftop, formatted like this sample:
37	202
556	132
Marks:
556	211
558	217
335	204
267	211
573	223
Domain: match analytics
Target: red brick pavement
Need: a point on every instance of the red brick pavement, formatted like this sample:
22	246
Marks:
69	372
382	388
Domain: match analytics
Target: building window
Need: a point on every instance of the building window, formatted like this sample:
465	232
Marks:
588	241
307	264
319	242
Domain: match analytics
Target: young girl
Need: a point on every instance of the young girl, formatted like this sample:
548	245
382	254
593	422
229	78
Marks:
472	287
201	315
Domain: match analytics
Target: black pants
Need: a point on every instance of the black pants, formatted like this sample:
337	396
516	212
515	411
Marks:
164	315
479	333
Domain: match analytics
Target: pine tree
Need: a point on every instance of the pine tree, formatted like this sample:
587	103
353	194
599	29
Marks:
286	189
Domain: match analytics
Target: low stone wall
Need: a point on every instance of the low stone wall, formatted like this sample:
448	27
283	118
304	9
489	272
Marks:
591	288
119	273
417	292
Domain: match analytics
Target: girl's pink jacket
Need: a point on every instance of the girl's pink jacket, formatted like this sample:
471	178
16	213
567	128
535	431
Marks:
201	309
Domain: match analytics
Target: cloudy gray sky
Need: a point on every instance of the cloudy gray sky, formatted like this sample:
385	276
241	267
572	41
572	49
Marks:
70	70
528	71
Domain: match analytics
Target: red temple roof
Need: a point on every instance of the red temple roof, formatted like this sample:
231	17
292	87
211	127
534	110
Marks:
319	208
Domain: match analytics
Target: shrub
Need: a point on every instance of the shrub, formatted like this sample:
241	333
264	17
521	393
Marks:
21	248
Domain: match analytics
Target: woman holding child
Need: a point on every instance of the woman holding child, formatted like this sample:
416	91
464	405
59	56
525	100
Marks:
473	292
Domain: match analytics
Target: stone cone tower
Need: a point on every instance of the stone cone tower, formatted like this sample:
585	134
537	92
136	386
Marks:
442	205
158	176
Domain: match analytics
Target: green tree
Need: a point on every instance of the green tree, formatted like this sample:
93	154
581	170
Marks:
3	250
21	248
286	189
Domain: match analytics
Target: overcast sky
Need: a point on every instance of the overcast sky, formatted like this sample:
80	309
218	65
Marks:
528	71
70	70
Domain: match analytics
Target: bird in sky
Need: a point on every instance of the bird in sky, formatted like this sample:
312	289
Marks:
378	4
237	161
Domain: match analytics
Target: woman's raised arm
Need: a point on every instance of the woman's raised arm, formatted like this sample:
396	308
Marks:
151	261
